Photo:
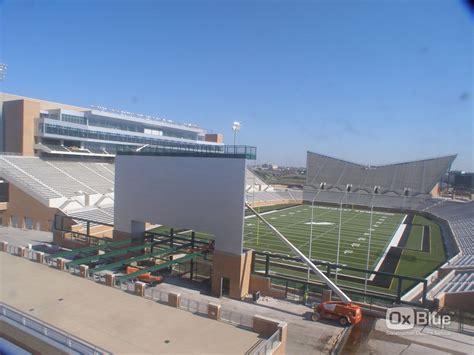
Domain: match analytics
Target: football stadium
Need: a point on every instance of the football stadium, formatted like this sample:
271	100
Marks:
168	212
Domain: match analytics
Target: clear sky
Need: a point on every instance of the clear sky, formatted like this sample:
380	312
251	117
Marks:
367	81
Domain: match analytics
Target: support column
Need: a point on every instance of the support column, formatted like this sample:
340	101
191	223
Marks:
214	311
60	263
110	280
140	288
234	267
3	246
39	257
84	271
174	299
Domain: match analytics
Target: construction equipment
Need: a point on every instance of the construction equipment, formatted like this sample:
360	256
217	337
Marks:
342	312
146	277
345	311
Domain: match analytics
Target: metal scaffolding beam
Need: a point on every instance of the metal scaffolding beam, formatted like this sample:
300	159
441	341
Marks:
64	254
128	261
113	253
165	265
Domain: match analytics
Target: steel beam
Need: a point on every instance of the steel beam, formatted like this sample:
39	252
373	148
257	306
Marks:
165	265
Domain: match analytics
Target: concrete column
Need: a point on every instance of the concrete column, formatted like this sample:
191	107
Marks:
214	311
60	263
236	268
21	251
327	295
283	337
110	280
174	299
140	288
84	271
3	246
39	257
264	325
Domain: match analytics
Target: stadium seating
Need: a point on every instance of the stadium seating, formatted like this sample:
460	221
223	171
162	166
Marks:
419	176
13	172
462	282
460	216
95	179
93	214
53	178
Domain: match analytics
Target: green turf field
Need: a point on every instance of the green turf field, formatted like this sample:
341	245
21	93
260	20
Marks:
295	224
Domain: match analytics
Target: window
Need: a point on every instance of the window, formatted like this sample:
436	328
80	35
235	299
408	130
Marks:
28	222
74	119
14	222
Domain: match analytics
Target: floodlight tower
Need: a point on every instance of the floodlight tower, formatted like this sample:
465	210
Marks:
3	71
235	128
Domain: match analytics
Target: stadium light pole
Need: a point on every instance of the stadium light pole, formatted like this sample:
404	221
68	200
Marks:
3	71
311	231
339	237
235	128
370	239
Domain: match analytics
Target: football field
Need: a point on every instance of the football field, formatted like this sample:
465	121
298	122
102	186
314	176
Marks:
295	224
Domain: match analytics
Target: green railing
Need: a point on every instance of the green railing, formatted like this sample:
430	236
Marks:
113	253
68	253
199	150
165	265
131	260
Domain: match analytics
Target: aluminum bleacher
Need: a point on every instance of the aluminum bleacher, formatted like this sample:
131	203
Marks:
93	214
85	173
462	282
460	216
68	183
418	176
27	181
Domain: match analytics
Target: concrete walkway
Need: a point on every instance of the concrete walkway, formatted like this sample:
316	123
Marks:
373	337
304	335
23	237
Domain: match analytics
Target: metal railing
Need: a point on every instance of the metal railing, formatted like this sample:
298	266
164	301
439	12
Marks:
267	346
235	318
127	286
98	277
43	329
156	295
30	254
12	249
193	306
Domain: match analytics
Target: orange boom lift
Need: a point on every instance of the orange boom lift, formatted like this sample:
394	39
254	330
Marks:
344	311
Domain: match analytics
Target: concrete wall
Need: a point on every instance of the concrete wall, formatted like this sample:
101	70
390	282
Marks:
457	301
275	203
236	268
214	137
203	194
23	205
19	119
262	284
27	341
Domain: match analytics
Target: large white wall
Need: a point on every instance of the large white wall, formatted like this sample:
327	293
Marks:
203	194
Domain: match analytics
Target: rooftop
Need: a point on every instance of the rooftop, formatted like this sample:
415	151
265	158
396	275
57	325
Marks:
113	320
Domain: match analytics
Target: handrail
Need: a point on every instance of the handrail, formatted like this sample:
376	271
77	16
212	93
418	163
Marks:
265	346
47	330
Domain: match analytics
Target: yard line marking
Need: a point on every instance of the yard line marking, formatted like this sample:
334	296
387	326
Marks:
314	239
269	233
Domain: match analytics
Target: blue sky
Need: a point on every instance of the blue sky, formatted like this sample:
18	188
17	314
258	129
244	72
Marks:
367	81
